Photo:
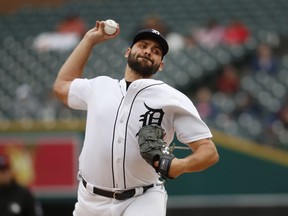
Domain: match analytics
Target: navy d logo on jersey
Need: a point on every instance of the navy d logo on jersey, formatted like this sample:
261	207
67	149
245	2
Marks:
152	116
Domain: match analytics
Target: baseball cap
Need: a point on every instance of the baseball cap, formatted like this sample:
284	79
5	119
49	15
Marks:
152	34
4	162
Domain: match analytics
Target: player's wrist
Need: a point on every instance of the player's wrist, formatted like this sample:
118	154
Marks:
177	168
90	40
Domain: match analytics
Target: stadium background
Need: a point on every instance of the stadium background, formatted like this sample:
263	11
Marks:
251	177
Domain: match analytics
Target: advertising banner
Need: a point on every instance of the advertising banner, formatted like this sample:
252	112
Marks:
47	163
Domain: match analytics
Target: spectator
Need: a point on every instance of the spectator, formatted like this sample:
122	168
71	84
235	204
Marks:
25	104
67	35
245	103
210	35
189	41
175	40
283	116
72	23
14	198
51	107
236	33
155	22
277	127
265	60
228	82
203	103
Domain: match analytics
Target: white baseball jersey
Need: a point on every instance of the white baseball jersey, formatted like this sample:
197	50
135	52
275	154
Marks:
110	157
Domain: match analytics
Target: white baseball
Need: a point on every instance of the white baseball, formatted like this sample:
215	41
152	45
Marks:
110	27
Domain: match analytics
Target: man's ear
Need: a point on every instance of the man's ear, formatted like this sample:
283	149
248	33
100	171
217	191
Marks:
161	66
127	52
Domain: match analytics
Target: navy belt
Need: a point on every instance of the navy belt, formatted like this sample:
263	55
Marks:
119	195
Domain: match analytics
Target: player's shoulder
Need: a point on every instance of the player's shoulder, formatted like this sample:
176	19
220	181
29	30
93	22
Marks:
154	83
171	89
163	90
100	80
96	79
93	83
104	78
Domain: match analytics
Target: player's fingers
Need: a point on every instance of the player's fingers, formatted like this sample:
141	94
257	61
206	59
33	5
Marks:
156	163
97	25
102	25
118	29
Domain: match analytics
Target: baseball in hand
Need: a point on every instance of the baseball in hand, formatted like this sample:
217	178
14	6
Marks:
110	27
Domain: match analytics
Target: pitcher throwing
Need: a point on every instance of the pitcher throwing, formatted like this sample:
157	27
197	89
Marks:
116	177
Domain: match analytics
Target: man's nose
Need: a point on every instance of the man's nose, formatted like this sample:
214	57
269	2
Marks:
147	52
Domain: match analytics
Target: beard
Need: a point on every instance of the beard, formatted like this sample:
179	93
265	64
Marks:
141	67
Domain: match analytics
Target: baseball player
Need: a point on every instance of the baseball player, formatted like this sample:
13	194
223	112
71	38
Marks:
116	177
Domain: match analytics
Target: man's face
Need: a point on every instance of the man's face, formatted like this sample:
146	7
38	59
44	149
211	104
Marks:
145	58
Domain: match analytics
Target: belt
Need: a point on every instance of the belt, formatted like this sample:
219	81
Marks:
119	195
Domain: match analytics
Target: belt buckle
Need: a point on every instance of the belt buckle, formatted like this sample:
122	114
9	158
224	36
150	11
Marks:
115	195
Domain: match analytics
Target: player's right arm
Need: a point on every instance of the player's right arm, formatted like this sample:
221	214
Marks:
204	155
74	65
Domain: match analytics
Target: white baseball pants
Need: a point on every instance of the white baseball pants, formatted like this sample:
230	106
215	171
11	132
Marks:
152	203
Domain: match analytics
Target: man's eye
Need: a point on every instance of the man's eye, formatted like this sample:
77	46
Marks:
157	52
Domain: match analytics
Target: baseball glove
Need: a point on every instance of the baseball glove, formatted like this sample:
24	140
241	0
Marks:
153	148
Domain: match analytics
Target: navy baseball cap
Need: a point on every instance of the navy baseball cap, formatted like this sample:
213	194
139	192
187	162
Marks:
152	34
4	162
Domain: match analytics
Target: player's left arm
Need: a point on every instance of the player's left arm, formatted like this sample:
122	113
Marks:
204	155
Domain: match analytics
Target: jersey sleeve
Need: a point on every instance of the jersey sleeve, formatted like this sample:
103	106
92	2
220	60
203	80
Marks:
188	124
78	94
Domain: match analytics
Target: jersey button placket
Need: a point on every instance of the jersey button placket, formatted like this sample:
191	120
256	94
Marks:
119	150
119	160
118	163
